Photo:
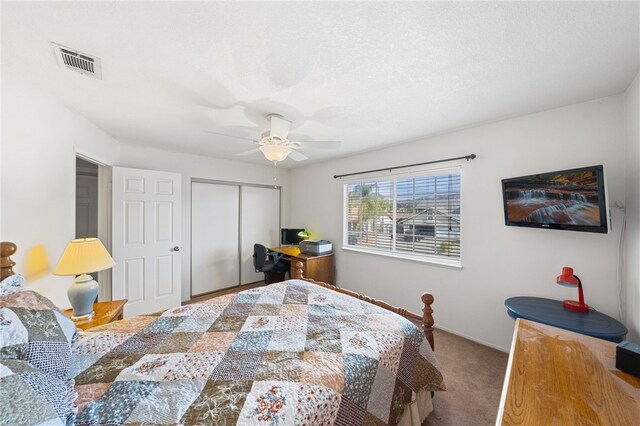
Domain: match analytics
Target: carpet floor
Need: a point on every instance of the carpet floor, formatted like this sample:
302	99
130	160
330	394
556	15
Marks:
474	375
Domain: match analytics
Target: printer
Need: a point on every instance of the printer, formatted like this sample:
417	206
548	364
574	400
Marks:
316	247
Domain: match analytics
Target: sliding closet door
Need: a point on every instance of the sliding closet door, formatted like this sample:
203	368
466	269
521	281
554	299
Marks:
214	238
260	223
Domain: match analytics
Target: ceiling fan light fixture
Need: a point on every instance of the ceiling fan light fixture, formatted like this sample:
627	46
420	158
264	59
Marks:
275	153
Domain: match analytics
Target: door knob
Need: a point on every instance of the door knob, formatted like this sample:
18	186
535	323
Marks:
176	248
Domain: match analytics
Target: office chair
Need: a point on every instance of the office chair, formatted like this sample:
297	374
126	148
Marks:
271	263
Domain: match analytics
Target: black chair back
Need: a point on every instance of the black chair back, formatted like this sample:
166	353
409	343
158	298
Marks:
259	256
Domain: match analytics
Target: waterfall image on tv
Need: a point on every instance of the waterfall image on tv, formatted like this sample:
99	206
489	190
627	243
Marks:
569	199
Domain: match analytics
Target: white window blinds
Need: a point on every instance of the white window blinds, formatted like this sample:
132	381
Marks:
407	216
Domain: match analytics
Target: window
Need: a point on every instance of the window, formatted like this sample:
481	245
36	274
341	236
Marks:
415	216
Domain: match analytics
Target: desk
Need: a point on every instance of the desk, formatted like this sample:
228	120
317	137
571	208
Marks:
319	268
551	312
558	377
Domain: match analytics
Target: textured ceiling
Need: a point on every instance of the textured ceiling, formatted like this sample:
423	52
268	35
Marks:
368	74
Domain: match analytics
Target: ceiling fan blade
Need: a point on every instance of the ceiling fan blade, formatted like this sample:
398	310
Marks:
297	156
232	136
251	151
279	126
319	144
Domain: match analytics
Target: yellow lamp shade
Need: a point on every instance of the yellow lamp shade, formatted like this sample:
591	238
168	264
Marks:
84	256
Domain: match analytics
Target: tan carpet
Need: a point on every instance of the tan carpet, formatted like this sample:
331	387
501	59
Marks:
474	375
233	289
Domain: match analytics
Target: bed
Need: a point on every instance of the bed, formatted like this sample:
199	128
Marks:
297	352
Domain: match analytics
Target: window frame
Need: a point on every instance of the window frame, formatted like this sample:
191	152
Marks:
454	263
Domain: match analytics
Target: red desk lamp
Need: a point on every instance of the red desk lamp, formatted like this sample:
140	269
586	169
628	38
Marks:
568	279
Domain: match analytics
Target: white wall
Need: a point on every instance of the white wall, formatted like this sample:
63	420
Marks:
631	269
39	141
498	261
194	166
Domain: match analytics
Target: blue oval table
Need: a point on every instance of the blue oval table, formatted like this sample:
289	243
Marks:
551	312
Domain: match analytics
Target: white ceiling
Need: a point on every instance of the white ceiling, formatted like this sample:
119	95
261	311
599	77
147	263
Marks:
369	74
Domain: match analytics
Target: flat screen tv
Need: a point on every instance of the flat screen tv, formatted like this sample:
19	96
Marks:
572	200
290	237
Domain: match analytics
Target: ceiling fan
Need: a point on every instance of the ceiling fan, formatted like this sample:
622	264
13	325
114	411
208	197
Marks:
276	146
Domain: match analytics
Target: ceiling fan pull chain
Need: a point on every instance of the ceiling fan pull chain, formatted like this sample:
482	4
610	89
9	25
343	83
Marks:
275	174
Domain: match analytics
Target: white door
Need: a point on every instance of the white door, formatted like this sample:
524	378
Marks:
146	241
260	223
214	237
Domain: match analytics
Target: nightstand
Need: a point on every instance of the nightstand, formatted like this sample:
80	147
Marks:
551	312
103	313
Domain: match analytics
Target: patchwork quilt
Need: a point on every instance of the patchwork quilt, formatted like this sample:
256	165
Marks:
289	353
35	355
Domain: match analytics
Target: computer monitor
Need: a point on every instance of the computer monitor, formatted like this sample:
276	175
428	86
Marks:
290	237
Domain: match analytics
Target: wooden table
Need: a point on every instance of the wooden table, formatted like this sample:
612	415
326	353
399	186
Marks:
559	377
551	312
104	313
319	268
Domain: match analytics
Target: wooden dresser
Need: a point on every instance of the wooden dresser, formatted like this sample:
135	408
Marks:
317	267
558	377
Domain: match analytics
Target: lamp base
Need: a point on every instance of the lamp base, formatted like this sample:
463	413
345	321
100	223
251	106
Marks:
86	317
82	294
574	305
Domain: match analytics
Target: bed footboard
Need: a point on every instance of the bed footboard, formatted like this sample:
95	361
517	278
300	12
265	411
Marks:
427	300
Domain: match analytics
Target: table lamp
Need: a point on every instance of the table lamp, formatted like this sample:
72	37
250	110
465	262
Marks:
304	234
568	279
81	257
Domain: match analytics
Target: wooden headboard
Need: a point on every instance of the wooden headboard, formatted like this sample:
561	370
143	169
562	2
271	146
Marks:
7	250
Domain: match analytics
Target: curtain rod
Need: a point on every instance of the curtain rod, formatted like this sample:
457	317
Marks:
465	157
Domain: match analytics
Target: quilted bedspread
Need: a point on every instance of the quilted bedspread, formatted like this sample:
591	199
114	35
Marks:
289	353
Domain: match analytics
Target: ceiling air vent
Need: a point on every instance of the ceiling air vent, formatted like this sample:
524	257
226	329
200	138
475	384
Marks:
78	61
